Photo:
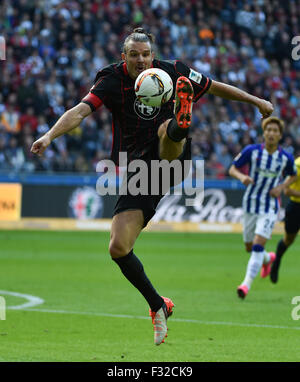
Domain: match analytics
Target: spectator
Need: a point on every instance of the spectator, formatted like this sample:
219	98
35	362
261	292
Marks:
81	164
205	33
35	63
26	94
4	157
245	18
15	155
224	157
41	100
215	168
29	119
42	126
10	119
260	63
55	48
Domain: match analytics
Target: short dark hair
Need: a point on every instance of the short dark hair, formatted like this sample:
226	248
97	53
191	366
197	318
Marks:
139	35
274	119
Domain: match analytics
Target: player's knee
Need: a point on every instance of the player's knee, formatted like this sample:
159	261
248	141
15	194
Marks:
117	249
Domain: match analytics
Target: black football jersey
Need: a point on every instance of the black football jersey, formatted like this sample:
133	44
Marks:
135	125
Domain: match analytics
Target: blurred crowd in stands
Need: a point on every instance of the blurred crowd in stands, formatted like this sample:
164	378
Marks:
55	48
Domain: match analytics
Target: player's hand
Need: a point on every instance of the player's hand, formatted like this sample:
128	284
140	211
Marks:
276	191
38	147
246	180
265	108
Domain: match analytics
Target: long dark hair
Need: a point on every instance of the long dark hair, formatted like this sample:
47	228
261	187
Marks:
139	35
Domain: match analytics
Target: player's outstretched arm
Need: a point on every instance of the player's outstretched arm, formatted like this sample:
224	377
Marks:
67	122
235	94
235	173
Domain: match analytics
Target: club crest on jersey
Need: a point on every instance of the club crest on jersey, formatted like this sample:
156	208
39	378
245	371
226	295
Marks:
144	111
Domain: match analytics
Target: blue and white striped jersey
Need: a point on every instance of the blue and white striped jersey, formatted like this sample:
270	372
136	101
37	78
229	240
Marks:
266	170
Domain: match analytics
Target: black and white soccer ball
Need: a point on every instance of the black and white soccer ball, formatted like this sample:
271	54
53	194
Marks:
153	87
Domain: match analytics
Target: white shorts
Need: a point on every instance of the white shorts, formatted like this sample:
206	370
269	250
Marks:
255	224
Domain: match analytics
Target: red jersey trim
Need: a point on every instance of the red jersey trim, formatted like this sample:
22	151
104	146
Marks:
125	69
204	88
94	100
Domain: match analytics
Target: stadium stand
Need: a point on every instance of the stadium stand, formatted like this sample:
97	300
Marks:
55	48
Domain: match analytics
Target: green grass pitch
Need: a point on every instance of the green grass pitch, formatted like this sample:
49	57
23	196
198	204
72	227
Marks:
92	313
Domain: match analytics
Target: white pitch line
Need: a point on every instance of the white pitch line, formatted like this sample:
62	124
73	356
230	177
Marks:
172	319
32	300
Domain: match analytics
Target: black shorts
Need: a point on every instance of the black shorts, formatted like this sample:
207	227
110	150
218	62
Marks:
292	217
148	203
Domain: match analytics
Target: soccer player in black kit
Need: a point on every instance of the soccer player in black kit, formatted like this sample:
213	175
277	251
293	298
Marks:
144	133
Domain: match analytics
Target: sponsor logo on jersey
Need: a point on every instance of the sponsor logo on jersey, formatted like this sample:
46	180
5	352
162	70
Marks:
144	111
267	173
195	76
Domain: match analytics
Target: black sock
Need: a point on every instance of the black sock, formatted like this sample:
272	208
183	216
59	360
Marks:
133	270
176	133
281	248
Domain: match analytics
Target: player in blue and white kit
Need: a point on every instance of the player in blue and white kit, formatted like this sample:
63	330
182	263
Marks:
268	163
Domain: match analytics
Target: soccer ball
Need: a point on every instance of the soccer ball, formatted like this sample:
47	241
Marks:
153	87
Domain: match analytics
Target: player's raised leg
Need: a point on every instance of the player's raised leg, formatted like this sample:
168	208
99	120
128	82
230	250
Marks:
172	133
